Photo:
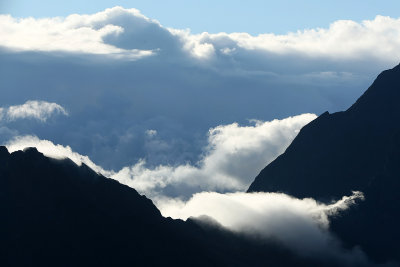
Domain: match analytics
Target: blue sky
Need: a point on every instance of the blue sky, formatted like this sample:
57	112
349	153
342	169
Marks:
254	17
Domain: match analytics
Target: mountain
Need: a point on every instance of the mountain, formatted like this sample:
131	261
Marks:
358	149
56	213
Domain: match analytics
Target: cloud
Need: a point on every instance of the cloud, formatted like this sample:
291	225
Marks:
40	110
75	33
233	157
344	39
179	83
49	149
127	33
299	224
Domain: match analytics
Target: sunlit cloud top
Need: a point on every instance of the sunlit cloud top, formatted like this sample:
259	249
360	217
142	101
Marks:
126	33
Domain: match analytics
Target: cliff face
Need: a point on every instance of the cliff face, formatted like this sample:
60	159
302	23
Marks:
357	149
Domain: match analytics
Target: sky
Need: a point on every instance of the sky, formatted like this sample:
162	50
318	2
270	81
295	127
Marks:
187	102
139	98
135	95
254	17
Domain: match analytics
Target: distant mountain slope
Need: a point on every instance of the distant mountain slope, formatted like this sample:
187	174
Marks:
358	149
55	213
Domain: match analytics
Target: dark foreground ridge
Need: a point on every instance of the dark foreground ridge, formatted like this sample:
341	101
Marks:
55	213
358	149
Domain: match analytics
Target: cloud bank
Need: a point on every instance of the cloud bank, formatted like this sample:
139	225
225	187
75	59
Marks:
344	39
233	157
300	224
106	32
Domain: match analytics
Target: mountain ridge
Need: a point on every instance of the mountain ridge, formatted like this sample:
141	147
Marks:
352	150
56	213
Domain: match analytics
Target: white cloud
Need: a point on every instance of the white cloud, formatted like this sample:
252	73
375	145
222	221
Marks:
40	110
225	207
300	224
49	149
75	33
344	39
234	156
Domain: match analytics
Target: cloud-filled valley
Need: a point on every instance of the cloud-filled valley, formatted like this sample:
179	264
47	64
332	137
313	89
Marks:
189	120
273	217
302	225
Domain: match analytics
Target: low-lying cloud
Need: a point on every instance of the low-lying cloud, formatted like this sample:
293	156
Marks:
233	157
299	224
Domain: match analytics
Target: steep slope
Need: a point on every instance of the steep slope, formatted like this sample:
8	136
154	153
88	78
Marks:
55	213
353	150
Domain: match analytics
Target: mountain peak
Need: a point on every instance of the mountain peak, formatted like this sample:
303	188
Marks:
382	97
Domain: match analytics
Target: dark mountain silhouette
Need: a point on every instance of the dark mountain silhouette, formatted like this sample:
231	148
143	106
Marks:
358	149
55	213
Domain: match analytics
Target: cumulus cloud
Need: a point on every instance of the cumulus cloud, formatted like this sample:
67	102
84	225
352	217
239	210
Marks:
40	110
344	39
106	33
233	157
300	224
75	33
